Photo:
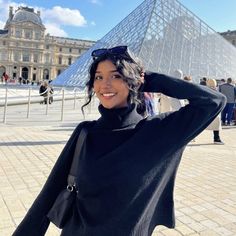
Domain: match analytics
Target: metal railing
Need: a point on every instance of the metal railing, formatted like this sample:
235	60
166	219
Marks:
16	96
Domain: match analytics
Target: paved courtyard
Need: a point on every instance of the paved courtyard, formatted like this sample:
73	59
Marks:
205	193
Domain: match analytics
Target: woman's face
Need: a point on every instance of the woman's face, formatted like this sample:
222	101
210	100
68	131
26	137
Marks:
109	86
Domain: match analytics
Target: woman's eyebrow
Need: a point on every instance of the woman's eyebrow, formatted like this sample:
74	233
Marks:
97	71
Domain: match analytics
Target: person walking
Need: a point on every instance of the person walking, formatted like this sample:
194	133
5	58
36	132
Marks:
46	91
229	90
203	81
216	123
5	77
128	163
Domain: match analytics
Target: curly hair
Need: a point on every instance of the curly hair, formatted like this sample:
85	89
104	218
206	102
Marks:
126	66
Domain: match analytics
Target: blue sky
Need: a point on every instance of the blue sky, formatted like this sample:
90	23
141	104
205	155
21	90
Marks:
92	19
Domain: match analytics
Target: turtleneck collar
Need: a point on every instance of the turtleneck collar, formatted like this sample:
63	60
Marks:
118	117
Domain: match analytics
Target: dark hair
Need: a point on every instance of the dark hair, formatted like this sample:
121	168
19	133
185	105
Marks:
127	67
229	80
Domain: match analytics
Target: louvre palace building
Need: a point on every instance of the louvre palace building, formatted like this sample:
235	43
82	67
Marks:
27	52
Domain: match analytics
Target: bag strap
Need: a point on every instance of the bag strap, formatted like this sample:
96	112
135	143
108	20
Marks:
75	162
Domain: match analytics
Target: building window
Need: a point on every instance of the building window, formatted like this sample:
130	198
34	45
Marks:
4	43
28	34
37	35
16	56
233	42
79	50
47	46
47	58
3	55
34	77
26	56
18	33
59	60
60	49
70	49
35	58
46	74
69	61
58	72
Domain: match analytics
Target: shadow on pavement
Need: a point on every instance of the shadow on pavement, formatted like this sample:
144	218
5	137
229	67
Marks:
32	143
201	144
62	130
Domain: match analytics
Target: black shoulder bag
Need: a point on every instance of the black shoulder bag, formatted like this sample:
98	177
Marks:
62	207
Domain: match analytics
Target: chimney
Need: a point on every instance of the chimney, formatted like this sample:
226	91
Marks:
10	13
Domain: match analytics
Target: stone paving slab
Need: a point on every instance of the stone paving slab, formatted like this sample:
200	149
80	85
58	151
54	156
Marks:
205	193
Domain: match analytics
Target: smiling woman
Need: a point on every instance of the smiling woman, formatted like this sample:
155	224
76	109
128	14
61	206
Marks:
124	182
109	86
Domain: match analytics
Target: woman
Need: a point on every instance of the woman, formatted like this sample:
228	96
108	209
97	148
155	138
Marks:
128	167
216	123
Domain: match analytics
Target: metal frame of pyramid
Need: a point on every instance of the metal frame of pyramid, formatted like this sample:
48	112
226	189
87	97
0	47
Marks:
166	36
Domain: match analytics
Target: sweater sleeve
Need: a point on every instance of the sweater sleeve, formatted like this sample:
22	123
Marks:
36	222
182	126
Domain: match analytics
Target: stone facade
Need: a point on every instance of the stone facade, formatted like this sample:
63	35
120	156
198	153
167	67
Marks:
27	52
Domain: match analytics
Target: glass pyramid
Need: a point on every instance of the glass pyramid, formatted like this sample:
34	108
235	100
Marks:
166	36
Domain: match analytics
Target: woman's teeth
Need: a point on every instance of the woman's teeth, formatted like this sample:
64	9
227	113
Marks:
108	94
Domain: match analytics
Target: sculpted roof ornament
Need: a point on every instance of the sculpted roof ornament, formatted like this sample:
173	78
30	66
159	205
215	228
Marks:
27	14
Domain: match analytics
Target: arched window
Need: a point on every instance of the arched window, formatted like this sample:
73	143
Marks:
25	73
69	60
2	69
46	74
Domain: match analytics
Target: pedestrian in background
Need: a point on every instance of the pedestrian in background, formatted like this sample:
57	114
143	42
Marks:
216	123
203	81
46	91
5	77
229	90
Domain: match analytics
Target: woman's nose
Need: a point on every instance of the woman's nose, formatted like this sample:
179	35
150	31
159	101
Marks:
106	82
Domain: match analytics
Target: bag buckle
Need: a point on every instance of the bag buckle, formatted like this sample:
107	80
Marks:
70	188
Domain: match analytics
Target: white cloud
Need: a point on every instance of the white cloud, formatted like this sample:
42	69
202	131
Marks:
55	30
93	23
53	18
64	16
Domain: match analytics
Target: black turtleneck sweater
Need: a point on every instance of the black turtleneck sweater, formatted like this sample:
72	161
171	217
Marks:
126	175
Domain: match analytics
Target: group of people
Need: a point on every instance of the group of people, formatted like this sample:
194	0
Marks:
169	104
124	181
5	78
228	114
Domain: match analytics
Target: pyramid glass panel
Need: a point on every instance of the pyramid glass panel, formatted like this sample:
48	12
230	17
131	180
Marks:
166	36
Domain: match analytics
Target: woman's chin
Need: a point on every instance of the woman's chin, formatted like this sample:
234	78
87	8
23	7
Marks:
108	106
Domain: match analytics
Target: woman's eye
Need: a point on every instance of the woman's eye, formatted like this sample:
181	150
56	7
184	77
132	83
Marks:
117	76
98	77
